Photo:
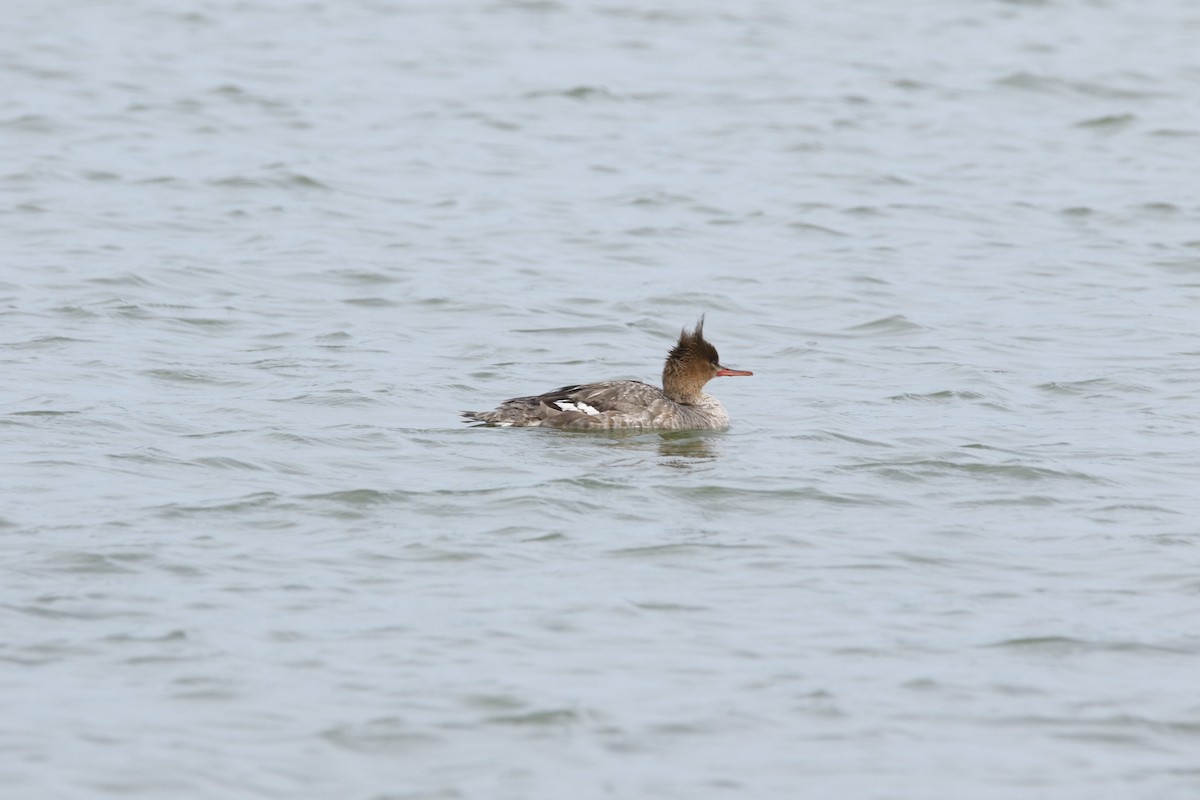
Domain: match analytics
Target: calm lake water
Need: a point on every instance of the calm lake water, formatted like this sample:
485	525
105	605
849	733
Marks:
257	255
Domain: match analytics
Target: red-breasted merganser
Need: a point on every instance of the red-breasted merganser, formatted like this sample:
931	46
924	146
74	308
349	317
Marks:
624	405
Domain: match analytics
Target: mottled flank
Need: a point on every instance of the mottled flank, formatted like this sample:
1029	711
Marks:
621	405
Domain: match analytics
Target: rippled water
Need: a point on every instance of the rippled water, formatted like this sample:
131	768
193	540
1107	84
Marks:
257	255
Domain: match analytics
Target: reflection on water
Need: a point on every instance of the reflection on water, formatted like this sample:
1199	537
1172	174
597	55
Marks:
678	449
681	449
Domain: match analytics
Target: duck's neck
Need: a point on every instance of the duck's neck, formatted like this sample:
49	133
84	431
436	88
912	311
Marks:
679	385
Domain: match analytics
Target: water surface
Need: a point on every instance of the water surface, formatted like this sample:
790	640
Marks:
257	255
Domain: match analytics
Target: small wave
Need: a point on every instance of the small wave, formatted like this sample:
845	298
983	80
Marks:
581	93
942	396
1029	81
897	323
1062	645
1109	122
923	469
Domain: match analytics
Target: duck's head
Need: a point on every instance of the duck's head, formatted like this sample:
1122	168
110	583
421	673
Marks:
692	363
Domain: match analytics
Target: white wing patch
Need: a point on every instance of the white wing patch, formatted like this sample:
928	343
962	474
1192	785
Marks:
581	407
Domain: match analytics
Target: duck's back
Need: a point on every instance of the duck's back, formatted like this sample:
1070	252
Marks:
610	405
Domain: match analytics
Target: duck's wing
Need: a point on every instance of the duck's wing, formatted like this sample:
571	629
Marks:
609	404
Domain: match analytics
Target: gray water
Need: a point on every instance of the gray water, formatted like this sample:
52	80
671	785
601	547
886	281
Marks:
256	256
